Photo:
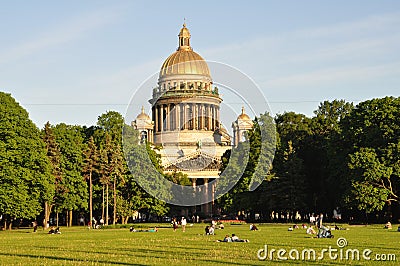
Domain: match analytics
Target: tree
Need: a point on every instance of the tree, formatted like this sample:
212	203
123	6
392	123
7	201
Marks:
256	154
372	131
326	157
116	171
112	122
54	155
290	190
372	181
290	187
90	168
147	165
26	181
72	147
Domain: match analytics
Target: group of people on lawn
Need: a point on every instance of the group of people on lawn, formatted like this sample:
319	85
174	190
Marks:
233	238
175	224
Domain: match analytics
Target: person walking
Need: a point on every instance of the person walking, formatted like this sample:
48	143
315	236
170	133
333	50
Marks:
183	223
174	224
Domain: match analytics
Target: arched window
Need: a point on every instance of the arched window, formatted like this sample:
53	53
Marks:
143	136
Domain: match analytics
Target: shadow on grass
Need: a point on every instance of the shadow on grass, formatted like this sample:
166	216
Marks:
138	252
66	259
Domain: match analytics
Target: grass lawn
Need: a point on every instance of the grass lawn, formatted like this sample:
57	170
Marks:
80	246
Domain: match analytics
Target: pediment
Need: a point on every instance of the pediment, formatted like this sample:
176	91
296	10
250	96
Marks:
197	161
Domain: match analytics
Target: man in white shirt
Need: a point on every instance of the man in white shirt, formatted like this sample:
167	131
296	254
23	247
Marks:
183	223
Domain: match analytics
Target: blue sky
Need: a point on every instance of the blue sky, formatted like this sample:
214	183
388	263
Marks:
71	61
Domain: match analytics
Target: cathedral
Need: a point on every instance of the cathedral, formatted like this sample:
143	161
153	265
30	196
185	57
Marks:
185	127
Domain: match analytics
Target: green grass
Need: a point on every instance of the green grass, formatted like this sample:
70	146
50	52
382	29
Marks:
80	246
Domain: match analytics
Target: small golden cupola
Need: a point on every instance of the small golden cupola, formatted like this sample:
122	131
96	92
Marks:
184	39
240	127
144	125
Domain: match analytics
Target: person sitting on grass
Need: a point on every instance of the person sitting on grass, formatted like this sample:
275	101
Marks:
340	228
207	230
253	227
388	225
211	230
310	230
235	238
54	230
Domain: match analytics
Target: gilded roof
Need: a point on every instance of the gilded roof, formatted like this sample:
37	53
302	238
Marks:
243	116
184	60
143	115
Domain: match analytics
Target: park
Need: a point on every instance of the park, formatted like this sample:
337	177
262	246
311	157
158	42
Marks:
281	145
78	245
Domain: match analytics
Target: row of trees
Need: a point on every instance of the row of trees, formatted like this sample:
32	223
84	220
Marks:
66	169
345	155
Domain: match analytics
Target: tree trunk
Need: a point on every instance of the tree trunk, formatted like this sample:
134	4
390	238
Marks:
115	201
57	218
70	217
90	197
46	215
47	211
102	206
67	218
107	204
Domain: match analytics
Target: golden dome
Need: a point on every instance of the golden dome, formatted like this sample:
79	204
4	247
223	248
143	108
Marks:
143	115
184	60
243	115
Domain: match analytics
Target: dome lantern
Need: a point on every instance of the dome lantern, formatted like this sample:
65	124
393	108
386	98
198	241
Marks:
184	39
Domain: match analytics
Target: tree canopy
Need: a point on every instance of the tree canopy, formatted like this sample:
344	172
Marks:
25	171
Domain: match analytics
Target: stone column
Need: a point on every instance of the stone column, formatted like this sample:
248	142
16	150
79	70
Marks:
177	117
185	116
167	117
155	110
194	114
212	118
218	118
201	116
162	117
209	115
151	137
215	117
190	118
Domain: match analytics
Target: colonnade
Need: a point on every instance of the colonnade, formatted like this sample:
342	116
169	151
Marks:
181	116
183	85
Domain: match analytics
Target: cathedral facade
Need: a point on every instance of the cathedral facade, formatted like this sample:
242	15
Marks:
185	121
